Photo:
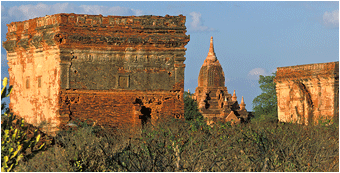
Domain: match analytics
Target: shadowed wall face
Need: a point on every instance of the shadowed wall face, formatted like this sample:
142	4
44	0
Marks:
80	63
308	93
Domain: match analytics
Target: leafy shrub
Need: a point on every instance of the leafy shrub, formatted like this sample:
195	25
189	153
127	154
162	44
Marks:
15	145
75	151
190	107
192	145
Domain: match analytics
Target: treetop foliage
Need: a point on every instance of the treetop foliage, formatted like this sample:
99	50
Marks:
190	107
265	104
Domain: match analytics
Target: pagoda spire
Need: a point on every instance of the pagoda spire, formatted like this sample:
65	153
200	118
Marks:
234	98
211	53
242	105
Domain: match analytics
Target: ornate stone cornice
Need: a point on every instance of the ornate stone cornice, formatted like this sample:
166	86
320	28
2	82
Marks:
305	72
73	30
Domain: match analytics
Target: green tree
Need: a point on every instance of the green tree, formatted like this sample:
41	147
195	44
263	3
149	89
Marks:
265	104
190	107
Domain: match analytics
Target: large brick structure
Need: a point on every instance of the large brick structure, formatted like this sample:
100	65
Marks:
114	70
211	94
308	93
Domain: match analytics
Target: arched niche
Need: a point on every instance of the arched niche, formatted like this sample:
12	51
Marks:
300	104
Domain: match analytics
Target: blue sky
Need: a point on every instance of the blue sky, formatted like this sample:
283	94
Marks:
250	38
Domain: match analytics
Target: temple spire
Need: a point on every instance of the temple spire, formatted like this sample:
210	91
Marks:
242	105
211	54
234	98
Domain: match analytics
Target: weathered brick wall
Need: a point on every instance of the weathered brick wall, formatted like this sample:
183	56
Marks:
143	53
308	93
91	53
119	108
33	60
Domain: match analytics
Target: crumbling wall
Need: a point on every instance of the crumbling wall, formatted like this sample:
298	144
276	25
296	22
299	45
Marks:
119	108
113	56
33	60
121	59
308	93
114	52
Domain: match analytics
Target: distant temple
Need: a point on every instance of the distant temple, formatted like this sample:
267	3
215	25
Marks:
214	101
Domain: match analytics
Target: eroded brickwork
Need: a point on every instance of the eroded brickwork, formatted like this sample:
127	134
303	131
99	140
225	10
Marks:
107	107
308	93
96	59
33	60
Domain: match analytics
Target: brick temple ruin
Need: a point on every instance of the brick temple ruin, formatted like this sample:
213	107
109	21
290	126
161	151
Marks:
211	94
307	94
115	70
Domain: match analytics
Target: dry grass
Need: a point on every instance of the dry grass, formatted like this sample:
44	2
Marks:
178	145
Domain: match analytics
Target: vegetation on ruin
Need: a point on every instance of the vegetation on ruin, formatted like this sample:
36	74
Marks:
189	145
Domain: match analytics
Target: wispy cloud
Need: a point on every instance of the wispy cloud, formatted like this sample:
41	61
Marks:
25	12
331	19
117	10
197	24
256	72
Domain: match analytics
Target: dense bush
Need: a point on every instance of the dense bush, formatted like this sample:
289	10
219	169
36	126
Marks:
16	142
179	145
190	107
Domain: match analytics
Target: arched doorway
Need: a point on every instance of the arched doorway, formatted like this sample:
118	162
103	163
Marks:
300	104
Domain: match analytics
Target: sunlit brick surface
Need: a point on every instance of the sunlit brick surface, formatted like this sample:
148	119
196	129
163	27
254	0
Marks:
308	93
95	67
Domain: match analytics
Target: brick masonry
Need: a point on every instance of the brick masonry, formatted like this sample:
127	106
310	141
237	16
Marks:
68	66
308	93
